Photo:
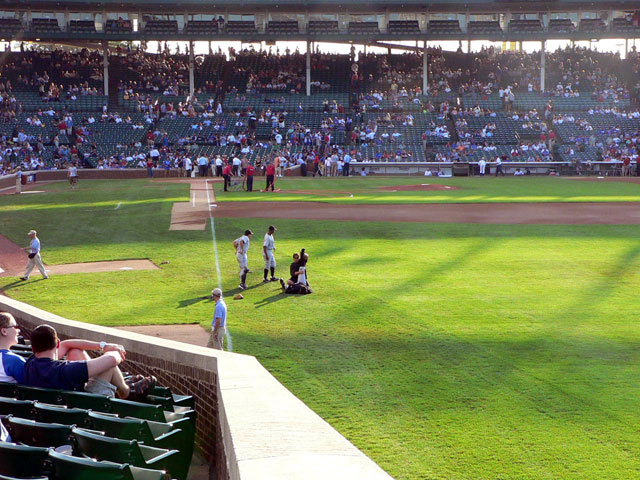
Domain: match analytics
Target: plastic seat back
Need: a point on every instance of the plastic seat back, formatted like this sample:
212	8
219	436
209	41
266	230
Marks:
88	401
45	395
61	414
17	408
66	467
22	460
9	390
37	434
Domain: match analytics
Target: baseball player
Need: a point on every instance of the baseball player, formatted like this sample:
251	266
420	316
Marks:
268	247
241	244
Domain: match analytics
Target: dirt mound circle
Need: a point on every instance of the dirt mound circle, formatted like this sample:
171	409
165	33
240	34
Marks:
422	187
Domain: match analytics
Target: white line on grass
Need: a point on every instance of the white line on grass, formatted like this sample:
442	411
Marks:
118	206
215	251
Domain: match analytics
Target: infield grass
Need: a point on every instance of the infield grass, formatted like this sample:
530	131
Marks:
443	351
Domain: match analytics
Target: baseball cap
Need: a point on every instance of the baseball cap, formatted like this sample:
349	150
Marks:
216	292
271	227
248	232
32	232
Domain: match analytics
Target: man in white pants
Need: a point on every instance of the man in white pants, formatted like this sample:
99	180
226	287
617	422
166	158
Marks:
482	164
268	247
241	244
34	257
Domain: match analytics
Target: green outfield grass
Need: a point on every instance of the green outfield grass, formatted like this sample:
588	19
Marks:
443	351
488	189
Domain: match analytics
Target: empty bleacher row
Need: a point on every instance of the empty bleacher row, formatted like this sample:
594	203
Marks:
67	435
160	27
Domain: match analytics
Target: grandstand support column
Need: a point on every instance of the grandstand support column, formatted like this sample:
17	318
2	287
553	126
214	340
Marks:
105	63
543	65
308	69
192	83
425	80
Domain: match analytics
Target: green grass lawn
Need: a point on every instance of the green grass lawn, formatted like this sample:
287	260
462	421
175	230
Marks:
443	351
488	189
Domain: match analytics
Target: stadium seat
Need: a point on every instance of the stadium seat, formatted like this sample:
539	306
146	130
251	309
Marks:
37	434
178	435
45	395
101	447
22	460
146	411
88	401
17	408
9	390
61	414
66	467
4	477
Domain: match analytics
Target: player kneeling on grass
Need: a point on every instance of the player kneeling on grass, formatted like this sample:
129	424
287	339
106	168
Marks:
298	283
80	372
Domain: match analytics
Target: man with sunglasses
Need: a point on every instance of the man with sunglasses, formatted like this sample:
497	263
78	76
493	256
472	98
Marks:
11	364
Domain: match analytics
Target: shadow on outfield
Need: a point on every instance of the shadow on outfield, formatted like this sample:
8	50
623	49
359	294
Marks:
191	301
17	283
273	298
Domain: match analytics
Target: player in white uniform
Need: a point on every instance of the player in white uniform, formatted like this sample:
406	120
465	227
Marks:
73	175
241	245
268	247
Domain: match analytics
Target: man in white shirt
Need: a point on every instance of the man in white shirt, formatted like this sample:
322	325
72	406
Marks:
73	175
241	245
236	162
218	166
188	166
268	247
482	165
35	260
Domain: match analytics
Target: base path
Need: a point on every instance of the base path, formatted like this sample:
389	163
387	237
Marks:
193	334
609	213
192	215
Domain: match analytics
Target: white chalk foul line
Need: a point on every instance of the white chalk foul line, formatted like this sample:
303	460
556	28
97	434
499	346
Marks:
215	251
118	206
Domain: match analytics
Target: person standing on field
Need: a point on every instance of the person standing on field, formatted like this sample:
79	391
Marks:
34	257
219	322
241	244
72	173
270	172
248	177
268	247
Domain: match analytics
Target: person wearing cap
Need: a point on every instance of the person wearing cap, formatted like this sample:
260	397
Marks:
219	322
268	247
34	257
241	244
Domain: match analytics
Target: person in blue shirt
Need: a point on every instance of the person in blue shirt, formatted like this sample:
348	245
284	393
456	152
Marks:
11	364
219	322
46	369
35	260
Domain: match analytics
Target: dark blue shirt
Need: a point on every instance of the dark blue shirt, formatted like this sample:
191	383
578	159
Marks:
60	374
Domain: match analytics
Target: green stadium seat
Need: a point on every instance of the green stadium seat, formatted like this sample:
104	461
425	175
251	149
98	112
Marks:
147	411
88	401
62	414
36	434
4	477
9	390
66	467
101	447
178	435
22	460
17	408
45	395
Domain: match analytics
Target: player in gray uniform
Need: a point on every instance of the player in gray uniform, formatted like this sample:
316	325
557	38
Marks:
268	247
241	244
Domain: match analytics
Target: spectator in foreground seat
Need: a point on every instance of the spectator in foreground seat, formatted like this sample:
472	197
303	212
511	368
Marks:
99	375
11	364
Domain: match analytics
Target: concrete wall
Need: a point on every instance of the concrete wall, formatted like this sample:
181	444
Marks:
249	426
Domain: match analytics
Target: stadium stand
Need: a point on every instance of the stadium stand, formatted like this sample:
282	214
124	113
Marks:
444	27
404	27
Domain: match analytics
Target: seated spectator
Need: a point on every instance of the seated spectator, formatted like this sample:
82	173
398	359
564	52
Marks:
298	283
99	375
11	364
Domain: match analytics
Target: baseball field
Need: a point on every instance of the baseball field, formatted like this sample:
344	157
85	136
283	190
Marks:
493	333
